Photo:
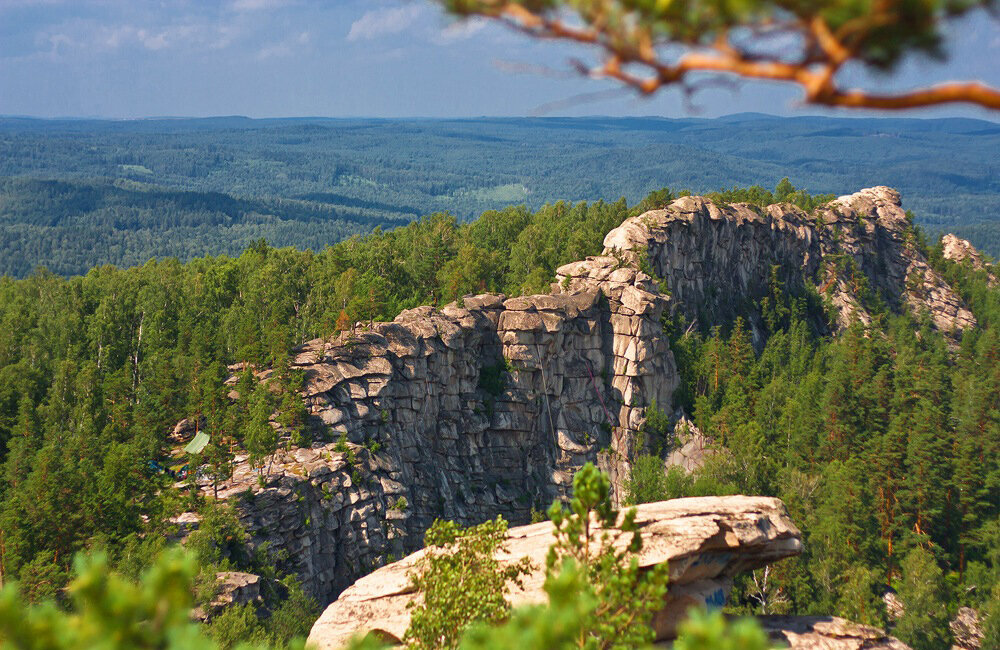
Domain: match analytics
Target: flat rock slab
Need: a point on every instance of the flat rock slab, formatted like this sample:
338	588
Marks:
827	633
706	540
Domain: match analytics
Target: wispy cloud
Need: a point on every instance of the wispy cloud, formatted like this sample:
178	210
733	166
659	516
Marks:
460	31
382	22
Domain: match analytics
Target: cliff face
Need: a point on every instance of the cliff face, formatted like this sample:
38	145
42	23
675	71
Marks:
463	413
490	407
717	260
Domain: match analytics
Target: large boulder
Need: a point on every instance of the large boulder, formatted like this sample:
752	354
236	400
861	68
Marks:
705	540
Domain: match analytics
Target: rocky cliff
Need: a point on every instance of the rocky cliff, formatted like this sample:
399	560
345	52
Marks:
489	406
854	252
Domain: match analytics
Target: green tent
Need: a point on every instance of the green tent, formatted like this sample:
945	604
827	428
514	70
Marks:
198	444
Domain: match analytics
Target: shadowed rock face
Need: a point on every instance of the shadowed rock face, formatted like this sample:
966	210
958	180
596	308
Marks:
489	407
479	410
706	540
717	260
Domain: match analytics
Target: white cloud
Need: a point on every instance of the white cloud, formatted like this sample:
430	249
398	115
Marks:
460	31
381	22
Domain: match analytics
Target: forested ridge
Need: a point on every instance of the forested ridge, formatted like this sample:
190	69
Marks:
883	441
132	190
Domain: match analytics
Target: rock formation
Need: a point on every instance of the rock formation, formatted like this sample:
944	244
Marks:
706	540
827	633
489	406
961	250
967	629
232	588
717	259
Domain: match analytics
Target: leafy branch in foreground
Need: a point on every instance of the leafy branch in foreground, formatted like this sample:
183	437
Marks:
110	612
587	533
461	582
793	41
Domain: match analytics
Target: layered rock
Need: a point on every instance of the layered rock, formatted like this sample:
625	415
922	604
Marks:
464	413
705	540
967	629
488	407
233	588
691	447
717	260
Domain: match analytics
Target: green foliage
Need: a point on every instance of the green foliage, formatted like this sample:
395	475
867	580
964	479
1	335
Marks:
493	377
460	583
260	438
107	611
237	623
710	631
285	625
219	185
647	480
597	598
562	623
656	432
784	192
867	438
606	557
991	619
341	444
924	624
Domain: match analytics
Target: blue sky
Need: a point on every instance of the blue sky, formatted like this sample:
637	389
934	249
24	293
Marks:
384	58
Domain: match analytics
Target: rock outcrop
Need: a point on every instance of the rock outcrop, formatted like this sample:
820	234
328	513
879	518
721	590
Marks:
691	447
966	629
232	588
476	410
718	259
827	633
488	407
959	250
706	540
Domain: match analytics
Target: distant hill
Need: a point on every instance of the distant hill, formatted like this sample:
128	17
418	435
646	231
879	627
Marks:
129	190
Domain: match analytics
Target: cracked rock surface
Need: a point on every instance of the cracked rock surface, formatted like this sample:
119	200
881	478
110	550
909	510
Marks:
706	540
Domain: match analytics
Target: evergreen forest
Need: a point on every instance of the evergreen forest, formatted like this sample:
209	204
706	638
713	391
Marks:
883	441
75	194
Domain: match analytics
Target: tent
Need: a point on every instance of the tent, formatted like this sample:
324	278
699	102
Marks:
197	444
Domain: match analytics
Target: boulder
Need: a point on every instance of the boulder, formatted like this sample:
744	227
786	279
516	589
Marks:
232	588
705	540
966	629
894	607
827	633
691	447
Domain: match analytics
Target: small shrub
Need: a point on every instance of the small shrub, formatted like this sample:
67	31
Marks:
460	583
341	446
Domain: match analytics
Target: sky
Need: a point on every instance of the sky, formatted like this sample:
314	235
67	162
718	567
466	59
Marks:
355	58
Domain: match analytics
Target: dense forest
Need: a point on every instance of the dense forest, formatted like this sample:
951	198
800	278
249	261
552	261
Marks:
884	441
132	190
